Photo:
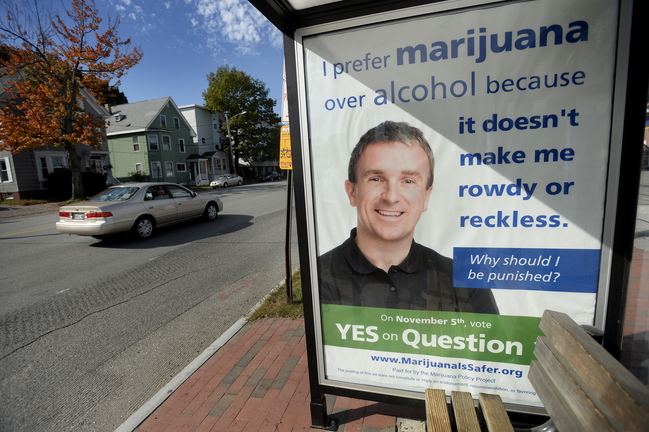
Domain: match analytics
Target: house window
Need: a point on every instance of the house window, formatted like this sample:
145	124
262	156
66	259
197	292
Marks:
176	123
166	142
5	171
48	163
153	142
136	144
156	170
181	167
181	145
163	121
169	169
43	167
96	163
58	163
138	167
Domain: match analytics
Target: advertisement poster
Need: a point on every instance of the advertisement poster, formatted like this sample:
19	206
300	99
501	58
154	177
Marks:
515	102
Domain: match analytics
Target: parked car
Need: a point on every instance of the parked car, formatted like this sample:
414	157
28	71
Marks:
138	208
272	176
226	180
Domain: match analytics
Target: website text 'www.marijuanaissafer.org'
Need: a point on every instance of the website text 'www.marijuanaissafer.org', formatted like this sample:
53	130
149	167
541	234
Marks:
457	366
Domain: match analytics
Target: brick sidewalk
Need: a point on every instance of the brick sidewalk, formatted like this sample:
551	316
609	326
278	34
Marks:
258	381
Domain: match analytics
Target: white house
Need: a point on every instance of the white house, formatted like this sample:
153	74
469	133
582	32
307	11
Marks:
208	140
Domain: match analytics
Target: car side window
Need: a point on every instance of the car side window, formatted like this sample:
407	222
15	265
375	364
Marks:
179	192
157	193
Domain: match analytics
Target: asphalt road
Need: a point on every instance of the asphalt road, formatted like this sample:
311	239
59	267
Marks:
91	330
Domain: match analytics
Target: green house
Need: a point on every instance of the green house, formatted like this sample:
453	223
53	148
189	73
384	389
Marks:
152	141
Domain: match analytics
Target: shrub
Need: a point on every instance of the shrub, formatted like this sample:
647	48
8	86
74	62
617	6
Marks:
93	183
59	183
137	176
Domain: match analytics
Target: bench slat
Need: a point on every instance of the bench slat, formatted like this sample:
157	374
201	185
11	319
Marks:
568	390
620	397
563	410
437	417
494	413
553	404
466	418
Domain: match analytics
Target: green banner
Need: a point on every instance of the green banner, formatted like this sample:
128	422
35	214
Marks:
497	338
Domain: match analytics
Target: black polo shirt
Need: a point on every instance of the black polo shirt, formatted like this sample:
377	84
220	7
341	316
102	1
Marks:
423	281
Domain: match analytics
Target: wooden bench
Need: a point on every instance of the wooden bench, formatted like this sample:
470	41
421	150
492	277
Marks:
581	385
465	415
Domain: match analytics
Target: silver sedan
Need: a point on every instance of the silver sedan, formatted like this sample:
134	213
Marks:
138	208
226	180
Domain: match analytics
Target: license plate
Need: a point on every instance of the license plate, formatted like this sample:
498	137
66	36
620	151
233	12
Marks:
78	216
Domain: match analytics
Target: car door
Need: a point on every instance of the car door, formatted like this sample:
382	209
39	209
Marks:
188	205
159	202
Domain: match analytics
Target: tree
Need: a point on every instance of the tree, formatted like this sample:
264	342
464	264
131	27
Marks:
255	133
112	95
49	60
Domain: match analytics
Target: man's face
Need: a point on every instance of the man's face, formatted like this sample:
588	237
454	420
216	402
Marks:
390	192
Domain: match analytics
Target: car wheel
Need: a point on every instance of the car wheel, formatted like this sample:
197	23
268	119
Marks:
240	183
213	187
143	228
211	211
225	185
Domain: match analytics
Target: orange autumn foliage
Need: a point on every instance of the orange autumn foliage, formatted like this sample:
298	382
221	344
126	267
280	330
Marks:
47	64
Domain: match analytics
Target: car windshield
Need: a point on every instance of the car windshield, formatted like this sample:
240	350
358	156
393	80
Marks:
121	193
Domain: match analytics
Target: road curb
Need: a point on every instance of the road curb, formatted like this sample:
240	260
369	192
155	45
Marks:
145	411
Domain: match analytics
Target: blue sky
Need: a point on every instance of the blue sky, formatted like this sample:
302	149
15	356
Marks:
184	40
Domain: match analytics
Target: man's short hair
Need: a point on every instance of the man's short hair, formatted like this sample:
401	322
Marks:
386	132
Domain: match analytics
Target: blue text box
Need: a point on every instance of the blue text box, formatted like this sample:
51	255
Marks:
566	270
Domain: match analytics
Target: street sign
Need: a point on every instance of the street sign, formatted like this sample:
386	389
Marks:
285	160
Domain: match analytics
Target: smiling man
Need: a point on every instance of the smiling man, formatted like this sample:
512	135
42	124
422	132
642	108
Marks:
390	179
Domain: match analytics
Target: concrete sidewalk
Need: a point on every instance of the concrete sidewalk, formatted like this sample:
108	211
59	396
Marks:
11	211
258	381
